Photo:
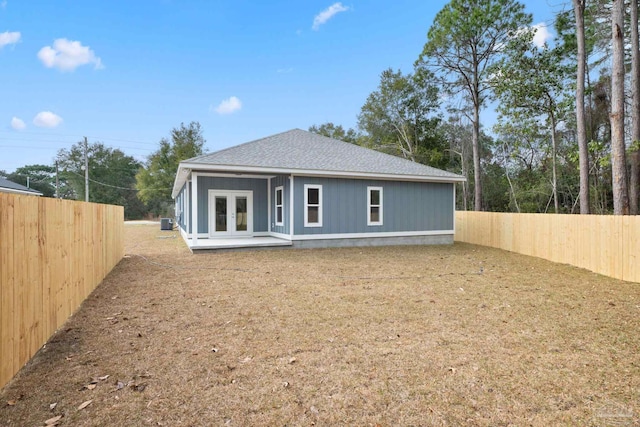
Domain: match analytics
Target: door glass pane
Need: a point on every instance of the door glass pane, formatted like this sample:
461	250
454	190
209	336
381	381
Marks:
221	213
241	214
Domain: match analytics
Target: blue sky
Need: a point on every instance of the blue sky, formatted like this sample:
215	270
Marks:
126	72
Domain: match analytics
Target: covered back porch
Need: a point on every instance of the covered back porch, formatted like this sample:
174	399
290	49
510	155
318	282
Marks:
230	211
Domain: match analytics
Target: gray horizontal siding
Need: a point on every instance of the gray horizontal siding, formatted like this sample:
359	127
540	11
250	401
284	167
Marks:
280	180
260	192
407	206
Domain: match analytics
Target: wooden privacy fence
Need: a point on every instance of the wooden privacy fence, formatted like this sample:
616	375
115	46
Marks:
53	253
605	244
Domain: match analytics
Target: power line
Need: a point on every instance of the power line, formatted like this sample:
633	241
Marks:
123	140
77	137
115	186
112	186
102	183
62	142
26	146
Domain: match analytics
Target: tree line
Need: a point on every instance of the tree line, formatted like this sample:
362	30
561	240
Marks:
567	134
566	138
143	188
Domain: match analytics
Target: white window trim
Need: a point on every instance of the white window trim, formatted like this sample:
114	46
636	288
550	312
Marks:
306	205
281	205
369	206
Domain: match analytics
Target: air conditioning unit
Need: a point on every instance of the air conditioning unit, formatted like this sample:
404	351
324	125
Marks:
166	224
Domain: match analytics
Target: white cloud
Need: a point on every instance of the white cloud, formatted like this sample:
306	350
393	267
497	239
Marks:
327	14
9	38
67	55
17	124
229	106
47	119
541	34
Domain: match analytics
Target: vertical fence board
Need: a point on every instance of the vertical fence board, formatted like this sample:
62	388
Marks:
53	254
45	272
78	260
605	244
68	248
34	282
20	282
7	286
633	251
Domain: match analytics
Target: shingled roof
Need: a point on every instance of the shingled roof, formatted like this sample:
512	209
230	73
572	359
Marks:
7	186
299	151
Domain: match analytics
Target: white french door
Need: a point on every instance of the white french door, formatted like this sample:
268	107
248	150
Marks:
230	213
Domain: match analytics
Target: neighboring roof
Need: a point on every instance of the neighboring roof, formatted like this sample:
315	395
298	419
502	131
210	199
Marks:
299	151
7	186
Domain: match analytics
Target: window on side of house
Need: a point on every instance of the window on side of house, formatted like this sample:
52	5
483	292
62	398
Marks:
374	205
312	205
279	206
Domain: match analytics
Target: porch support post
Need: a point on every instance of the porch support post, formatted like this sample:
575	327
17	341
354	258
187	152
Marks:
269	205
187	207
194	208
453	184
291	206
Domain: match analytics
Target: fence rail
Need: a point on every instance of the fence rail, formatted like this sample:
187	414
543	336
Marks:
605	244
53	253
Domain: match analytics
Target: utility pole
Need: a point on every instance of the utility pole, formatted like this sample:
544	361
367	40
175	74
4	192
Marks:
86	171
57	182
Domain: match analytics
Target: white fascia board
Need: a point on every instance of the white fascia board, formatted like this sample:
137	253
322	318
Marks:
182	175
324	173
378	176
16	191
235	175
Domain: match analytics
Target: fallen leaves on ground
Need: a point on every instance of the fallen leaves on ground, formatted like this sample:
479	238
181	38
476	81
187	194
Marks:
84	404
366	336
53	421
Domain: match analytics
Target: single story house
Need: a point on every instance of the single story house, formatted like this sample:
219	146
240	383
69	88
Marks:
305	190
7	186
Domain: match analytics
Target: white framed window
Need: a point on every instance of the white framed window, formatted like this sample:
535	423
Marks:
312	205
374	205
279	206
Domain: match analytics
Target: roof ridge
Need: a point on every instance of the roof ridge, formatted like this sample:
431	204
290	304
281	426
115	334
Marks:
239	145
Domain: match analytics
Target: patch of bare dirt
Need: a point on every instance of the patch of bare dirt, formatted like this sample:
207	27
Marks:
436	335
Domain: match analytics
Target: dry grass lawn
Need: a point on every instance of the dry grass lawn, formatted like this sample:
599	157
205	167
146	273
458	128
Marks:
391	336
